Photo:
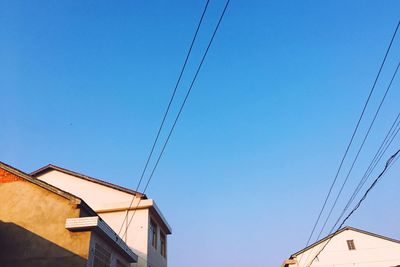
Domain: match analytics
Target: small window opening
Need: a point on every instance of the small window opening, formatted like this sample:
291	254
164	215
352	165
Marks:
102	257
163	241
350	245
153	234
121	264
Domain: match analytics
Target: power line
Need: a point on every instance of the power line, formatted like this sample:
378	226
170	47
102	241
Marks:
353	135
384	146
393	131
388	164
168	108
359	150
382	152
182	106
390	136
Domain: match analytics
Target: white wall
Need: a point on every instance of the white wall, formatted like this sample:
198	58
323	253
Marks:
370	251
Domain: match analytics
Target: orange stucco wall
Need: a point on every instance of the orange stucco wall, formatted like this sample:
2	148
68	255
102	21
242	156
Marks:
32	228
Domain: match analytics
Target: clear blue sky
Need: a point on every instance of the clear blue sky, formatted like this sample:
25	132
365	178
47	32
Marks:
83	85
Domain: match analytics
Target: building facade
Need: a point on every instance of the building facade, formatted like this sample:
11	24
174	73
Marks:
349	247
146	229
44	226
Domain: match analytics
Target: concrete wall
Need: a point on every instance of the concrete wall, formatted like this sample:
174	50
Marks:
32	228
137	233
97	239
370	252
112	205
157	260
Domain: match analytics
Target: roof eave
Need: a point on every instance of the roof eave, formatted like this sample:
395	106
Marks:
40	183
95	223
51	167
338	232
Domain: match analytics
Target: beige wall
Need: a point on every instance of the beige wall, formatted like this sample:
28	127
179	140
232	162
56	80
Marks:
370	252
32	228
112	205
137	233
97	196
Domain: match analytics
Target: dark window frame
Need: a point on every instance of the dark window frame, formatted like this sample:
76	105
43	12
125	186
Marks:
351	245
121	264
154	233
101	256
163	244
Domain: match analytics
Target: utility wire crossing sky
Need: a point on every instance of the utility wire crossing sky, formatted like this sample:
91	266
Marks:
83	86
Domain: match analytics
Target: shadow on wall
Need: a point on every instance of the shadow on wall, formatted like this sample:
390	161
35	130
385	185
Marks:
20	247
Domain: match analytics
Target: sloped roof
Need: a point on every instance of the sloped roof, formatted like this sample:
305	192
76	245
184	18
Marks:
41	183
154	207
51	167
82	204
339	232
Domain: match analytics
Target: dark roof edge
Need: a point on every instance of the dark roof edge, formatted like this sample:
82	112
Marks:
340	231
160	218
50	167
98	225
47	186
40	183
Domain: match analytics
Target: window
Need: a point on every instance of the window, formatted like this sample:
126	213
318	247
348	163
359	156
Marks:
153	233
163	241
102	257
350	245
121	264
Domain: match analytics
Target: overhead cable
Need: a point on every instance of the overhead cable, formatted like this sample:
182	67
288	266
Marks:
388	164
353	135
167	110
181	108
359	150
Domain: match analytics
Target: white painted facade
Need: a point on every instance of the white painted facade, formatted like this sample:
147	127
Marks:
369	250
112	205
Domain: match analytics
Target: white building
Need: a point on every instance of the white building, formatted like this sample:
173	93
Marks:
349	247
148	230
